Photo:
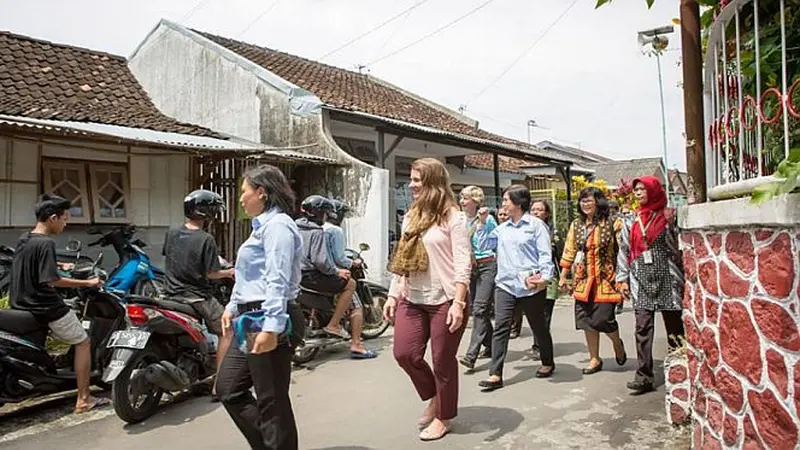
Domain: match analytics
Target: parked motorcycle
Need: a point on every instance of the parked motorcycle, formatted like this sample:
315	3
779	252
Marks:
27	370
7	258
134	273
166	348
318	308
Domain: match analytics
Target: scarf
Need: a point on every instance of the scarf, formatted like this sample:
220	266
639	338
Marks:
651	213
410	255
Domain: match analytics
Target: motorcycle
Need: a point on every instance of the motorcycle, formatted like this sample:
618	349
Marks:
7	258
165	349
134	273
318	308
27	370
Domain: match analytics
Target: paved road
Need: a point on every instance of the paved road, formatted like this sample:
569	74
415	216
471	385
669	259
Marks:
362	405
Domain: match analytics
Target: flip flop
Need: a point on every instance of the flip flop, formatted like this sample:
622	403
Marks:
342	333
368	354
98	402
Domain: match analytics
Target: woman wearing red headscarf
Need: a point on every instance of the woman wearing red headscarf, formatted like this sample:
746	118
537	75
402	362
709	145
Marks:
650	271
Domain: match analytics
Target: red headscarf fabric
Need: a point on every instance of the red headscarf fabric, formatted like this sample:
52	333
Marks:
651	212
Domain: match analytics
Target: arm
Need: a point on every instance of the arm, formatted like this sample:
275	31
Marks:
336	247
570	250
462	249
623	267
211	264
487	235
544	248
48	270
279	248
318	251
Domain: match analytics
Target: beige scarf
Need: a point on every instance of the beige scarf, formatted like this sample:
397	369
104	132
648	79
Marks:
410	255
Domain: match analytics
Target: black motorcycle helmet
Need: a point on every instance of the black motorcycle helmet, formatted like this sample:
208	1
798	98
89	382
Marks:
339	210
316	208
202	205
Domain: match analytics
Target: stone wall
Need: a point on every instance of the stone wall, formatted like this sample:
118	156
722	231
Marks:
741	316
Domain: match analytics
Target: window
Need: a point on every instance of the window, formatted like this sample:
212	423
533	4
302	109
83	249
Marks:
98	192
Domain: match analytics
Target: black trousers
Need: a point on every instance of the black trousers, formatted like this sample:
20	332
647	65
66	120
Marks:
534	309
481	294
645	330
516	326
266	421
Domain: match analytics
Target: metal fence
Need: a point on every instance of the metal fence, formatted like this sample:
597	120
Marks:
750	80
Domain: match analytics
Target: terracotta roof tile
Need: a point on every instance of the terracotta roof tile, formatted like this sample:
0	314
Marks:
348	90
43	80
485	161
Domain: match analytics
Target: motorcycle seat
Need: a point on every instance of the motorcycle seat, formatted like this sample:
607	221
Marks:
19	322
164	303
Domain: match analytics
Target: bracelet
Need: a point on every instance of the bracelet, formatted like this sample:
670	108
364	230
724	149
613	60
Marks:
461	303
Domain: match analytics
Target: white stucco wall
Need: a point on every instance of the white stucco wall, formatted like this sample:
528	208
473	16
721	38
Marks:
195	80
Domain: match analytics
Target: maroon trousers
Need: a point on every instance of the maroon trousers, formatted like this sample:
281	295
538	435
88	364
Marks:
414	326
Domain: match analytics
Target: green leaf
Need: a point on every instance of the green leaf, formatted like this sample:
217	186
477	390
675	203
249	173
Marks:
650	3
763	193
794	155
601	3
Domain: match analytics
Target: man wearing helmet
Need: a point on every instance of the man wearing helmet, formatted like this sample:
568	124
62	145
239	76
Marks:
192	261
319	272
335	242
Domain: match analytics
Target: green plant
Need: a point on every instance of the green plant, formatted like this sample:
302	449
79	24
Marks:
789	174
4	303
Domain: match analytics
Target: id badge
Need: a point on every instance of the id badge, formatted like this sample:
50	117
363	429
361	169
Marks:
648	257
578	258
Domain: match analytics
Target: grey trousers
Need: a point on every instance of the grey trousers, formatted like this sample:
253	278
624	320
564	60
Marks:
645	330
481	295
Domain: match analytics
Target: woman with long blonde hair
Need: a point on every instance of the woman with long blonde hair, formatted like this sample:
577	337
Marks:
427	296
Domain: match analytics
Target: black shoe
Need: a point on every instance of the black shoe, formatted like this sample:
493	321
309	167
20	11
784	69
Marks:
593	370
466	362
545	373
640	387
624	358
489	386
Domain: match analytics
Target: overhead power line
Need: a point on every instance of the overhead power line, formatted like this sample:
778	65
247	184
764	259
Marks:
524	52
372	30
255	21
432	33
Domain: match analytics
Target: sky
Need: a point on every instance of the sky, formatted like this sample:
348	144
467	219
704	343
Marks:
577	71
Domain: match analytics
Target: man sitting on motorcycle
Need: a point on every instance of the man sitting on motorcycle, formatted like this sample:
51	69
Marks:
192	261
34	279
319	273
335	242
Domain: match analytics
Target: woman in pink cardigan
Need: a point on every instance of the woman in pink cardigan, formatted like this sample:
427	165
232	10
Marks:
427	297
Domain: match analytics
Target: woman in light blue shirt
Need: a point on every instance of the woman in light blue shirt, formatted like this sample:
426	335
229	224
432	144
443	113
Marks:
524	269
267	283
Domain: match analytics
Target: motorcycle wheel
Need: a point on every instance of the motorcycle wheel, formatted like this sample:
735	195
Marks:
129	409
303	354
374	322
150	288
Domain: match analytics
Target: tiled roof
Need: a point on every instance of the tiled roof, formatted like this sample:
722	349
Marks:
580	155
485	161
613	172
347	90
43	80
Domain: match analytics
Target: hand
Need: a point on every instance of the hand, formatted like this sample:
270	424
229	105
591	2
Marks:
227	319
66	266
483	214
389	309
535	282
563	285
455	316
230	273
357	263
265	342
624	289
94	282
344	273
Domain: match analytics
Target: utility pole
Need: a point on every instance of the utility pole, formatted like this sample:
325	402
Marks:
692	53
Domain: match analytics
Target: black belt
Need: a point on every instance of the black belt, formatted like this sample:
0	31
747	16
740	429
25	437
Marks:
244	308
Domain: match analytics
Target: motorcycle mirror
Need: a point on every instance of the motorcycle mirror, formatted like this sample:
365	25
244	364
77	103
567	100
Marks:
363	246
74	246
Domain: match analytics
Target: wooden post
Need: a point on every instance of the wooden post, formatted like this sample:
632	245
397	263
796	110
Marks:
692	53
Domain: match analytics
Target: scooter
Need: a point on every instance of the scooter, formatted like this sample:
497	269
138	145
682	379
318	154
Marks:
7	258
165	349
134	273
318	308
27	370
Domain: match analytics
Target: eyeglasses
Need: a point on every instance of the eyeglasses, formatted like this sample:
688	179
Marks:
587	201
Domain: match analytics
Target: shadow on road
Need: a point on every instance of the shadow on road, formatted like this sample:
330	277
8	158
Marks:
181	410
482	419
382	345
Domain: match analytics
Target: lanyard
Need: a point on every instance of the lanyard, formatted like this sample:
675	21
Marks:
644	228
586	233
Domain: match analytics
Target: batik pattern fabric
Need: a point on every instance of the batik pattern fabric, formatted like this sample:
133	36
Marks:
656	286
593	277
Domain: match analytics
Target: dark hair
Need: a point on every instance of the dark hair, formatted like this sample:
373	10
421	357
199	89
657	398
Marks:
51	204
547	209
520	196
275	185
602	203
